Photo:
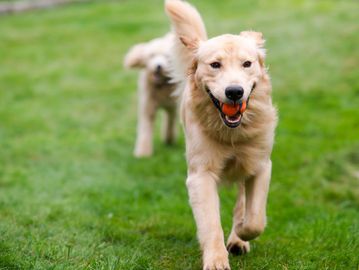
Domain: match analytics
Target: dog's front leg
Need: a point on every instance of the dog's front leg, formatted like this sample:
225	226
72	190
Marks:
202	189
169	126
256	201
146	117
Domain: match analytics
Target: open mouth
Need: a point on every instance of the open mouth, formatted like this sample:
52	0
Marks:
231	114
161	78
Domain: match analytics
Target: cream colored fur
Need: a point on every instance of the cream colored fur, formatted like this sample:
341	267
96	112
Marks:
155	91
214	151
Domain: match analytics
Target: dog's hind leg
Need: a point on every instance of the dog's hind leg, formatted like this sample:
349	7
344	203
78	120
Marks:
236	245
256	200
169	126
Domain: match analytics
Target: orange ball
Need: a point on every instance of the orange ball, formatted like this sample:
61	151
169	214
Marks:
230	110
244	106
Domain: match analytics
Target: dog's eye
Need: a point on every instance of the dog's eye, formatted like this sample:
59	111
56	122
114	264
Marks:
215	65
247	64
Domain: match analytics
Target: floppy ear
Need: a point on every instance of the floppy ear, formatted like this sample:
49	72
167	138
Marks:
191	44
257	37
135	58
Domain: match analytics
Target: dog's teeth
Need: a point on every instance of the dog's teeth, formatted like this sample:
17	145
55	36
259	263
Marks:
232	121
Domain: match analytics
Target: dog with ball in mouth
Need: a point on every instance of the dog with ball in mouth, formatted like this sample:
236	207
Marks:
227	137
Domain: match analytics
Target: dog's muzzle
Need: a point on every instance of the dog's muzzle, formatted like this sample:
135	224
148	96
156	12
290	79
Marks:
231	114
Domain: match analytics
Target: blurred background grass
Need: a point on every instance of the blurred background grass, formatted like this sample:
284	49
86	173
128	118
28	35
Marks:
73	197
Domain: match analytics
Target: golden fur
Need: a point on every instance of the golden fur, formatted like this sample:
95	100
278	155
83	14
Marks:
214	151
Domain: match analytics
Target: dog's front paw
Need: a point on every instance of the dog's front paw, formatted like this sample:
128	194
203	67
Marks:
250	230
237	246
216	260
142	152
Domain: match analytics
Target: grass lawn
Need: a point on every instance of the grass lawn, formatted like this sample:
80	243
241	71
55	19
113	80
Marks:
73	197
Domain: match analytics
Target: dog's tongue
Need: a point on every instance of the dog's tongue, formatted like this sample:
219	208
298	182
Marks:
232	110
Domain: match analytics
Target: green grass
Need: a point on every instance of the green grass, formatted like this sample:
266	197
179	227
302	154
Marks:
73	197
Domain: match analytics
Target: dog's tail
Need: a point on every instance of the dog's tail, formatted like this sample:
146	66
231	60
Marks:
189	31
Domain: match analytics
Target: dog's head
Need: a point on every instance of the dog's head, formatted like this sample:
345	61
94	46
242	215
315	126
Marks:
227	67
154	57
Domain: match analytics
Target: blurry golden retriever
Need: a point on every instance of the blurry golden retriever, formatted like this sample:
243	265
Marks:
155	91
229	122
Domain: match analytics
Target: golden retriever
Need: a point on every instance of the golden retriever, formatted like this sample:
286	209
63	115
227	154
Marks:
155	91
229	123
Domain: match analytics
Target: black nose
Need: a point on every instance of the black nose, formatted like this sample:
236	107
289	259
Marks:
158	68
234	92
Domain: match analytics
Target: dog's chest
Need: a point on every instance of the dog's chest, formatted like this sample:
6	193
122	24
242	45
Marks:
164	95
243	161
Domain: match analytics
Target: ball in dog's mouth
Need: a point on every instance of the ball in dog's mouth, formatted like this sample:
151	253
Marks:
232	113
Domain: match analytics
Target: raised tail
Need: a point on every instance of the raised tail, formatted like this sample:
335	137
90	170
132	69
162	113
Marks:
189	31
